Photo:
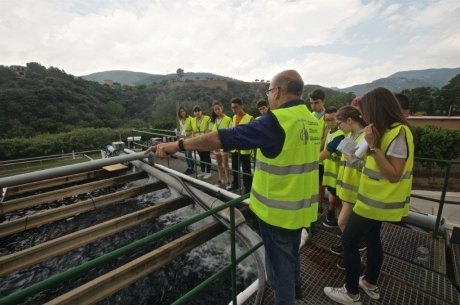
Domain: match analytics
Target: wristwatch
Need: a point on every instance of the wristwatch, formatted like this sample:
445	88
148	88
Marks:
181	144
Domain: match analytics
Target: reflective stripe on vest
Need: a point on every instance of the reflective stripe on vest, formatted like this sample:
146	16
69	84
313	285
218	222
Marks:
378	198
286	170
378	175
285	188
381	205
349	175
332	163
286	205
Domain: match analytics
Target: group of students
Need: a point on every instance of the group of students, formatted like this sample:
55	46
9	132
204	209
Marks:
371	188
200	123
364	189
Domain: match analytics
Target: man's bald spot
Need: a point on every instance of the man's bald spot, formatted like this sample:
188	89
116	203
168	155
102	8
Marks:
290	81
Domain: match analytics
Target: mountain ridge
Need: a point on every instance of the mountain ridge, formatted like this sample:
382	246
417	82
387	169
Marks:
396	82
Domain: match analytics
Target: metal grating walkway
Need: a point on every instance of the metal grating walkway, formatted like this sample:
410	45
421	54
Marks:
402	281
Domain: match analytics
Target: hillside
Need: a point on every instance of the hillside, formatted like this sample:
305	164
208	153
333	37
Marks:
140	78
397	82
48	100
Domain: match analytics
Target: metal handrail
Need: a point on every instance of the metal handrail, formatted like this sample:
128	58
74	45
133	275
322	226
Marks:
57	279
442	200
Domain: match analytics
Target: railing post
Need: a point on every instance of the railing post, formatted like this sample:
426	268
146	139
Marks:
233	253
443	198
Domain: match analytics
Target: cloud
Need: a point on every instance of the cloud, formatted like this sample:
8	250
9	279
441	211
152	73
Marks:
335	43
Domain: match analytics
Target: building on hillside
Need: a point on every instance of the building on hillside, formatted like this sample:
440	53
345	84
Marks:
108	82
19	70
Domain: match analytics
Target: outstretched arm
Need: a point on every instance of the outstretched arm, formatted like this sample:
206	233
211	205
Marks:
206	142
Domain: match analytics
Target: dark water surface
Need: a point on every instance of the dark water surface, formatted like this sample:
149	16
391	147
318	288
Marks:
160	287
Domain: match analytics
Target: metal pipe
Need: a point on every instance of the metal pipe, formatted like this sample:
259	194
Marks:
67	170
245	234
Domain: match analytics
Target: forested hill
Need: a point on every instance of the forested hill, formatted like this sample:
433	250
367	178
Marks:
48	100
140	78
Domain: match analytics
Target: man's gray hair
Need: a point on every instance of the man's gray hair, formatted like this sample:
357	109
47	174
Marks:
290	85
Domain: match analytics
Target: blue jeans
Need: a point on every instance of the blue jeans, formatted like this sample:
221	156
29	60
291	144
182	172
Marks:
361	228
282	261
189	159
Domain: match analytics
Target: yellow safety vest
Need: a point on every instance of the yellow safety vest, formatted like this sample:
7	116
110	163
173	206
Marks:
187	127
244	120
224	123
332	163
284	191
378	198
202	128
322	130
348	176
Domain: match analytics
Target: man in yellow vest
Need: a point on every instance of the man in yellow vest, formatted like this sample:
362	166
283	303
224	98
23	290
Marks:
330	157
284	194
241	156
318	108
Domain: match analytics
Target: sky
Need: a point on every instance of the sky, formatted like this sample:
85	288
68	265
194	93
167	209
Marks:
332	43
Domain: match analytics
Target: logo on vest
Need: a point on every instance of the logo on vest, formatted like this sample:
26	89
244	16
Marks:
303	132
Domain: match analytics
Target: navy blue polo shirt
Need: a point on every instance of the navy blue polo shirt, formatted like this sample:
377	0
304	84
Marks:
265	133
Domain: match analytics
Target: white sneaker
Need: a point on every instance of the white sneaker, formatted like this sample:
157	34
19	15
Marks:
207	176
200	175
340	295
372	293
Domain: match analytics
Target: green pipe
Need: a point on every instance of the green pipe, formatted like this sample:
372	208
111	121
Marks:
441	201
233	253
54	280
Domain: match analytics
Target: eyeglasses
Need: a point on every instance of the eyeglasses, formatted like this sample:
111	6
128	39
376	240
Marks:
268	91
234	106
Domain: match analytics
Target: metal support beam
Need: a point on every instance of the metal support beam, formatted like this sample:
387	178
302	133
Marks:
30	256
109	283
54	182
67	170
39	219
31	201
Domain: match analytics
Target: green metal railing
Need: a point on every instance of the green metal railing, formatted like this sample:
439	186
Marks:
70	273
442	200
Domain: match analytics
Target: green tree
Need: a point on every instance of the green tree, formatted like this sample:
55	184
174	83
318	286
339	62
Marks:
180	73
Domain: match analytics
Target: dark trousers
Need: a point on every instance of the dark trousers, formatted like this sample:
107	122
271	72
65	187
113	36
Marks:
245	161
205	161
361	228
282	261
